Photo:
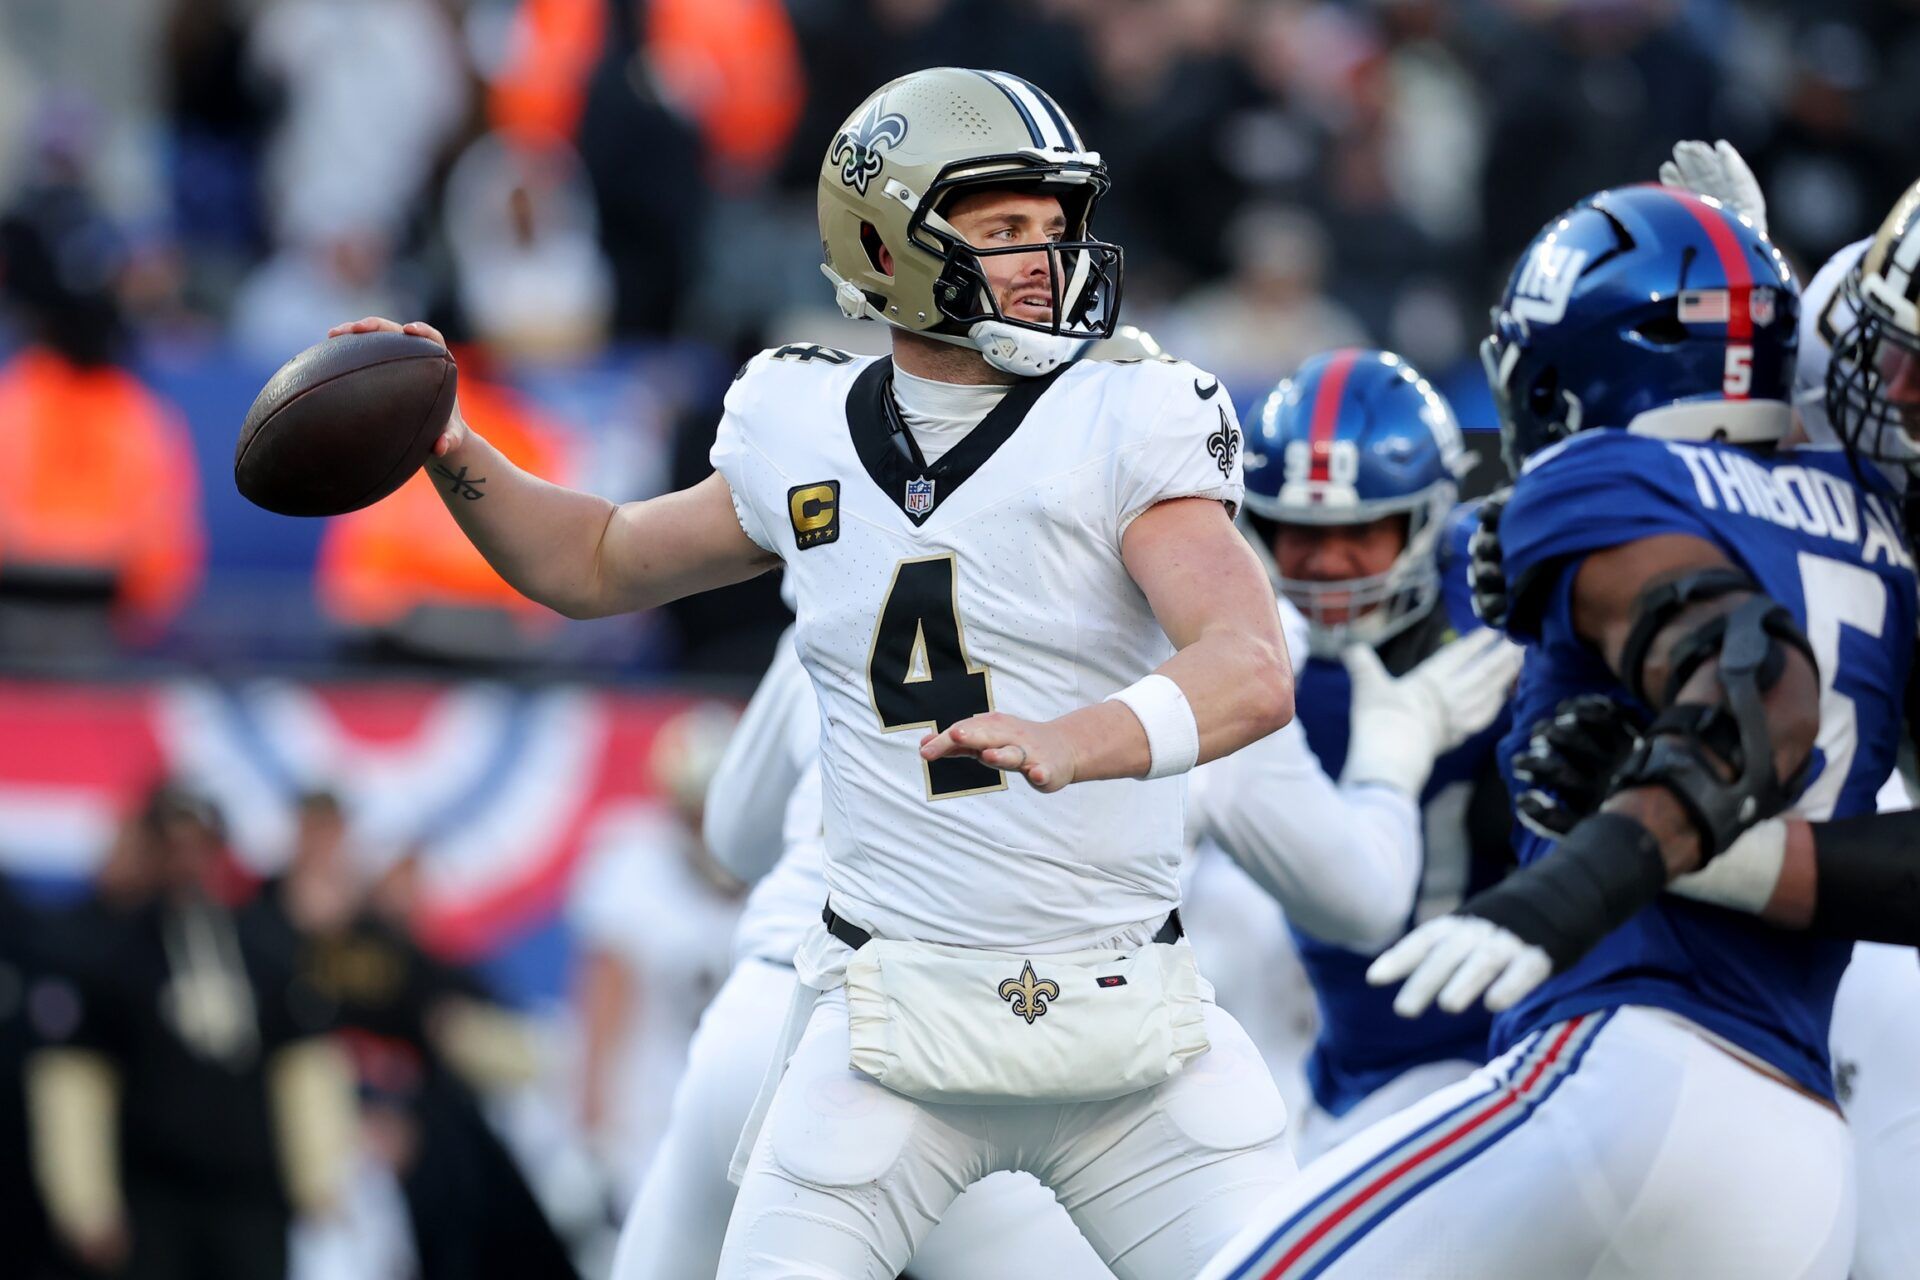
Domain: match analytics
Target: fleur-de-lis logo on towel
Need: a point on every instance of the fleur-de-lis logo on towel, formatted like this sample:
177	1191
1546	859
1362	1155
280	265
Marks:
1029	996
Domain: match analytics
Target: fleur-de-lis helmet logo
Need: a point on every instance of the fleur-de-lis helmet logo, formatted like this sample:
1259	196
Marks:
857	149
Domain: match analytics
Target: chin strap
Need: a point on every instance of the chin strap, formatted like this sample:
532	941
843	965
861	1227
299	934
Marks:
1007	347
1022	352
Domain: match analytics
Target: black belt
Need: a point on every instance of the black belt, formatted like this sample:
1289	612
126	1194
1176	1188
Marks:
856	937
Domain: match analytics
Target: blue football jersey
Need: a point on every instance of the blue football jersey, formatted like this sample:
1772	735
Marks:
1362	1044
1833	554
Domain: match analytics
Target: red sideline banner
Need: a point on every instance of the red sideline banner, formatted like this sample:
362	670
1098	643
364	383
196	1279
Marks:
499	790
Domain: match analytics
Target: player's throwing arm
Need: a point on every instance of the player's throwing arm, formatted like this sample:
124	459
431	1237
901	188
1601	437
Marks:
579	554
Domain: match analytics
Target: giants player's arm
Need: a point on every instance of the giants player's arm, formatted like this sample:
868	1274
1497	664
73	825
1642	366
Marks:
1609	597
1854	878
579	554
1213	600
1739	698
1678	622
1342	861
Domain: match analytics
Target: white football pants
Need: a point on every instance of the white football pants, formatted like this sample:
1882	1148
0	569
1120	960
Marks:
1876	1066
1614	1145
1003	1226
848	1177
1319	1132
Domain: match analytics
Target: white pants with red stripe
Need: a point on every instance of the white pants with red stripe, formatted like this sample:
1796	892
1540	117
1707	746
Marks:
1321	1131
848	1177
1619	1144
1876	1067
1006	1225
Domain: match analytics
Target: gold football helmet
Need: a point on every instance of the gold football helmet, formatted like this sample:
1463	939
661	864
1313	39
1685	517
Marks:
906	151
1873	377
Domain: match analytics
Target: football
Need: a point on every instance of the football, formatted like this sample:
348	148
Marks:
344	423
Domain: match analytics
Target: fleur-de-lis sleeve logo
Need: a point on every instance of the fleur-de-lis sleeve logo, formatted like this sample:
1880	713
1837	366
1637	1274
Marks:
857	149
1028	995
1224	444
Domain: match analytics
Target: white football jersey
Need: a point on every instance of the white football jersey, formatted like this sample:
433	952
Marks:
991	580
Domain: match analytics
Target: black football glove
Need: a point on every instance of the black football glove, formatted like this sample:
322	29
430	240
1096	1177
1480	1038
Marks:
1486	568
1569	764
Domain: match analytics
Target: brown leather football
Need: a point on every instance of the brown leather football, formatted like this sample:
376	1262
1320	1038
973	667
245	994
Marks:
344	423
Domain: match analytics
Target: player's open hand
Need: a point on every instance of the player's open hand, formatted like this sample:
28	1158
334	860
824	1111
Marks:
1040	753
456	433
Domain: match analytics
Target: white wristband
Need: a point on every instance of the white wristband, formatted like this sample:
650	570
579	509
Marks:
1173	737
1745	876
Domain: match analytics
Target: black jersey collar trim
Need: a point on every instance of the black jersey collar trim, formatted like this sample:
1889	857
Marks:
891	456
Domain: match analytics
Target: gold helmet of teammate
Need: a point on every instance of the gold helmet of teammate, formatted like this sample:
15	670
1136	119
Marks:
1873	376
907	151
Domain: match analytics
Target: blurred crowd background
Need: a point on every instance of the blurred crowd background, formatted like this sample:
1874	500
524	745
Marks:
292	806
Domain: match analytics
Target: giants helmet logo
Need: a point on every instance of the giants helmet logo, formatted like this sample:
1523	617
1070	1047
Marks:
857	150
1541	293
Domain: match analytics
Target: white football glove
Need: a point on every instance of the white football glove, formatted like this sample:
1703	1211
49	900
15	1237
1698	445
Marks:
1401	725
1459	958
1718	171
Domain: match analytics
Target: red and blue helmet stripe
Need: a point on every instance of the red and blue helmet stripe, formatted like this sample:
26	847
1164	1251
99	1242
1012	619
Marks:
1353	437
1354	434
1650	308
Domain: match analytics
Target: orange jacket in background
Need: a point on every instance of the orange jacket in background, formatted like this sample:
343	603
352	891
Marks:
379	563
541	90
735	65
97	472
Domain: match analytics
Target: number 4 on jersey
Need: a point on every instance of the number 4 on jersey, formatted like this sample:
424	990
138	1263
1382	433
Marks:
918	673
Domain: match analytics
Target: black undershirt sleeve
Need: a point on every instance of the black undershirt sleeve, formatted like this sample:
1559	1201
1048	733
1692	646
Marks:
1867	870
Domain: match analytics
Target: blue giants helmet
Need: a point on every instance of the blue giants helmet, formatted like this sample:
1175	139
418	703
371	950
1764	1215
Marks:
1351	437
1647	308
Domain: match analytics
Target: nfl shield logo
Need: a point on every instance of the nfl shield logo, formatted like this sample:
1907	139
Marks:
1761	306
919	497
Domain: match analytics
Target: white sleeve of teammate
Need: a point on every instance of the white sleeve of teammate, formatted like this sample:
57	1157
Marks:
805	809
747	801
1344	862
1191	451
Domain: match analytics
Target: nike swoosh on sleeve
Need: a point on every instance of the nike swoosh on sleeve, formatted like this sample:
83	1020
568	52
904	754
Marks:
1207	393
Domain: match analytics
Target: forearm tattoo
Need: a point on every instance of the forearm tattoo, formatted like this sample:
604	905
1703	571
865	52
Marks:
468	488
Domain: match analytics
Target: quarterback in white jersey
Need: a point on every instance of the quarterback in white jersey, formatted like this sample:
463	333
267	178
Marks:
1006	563
1001	586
